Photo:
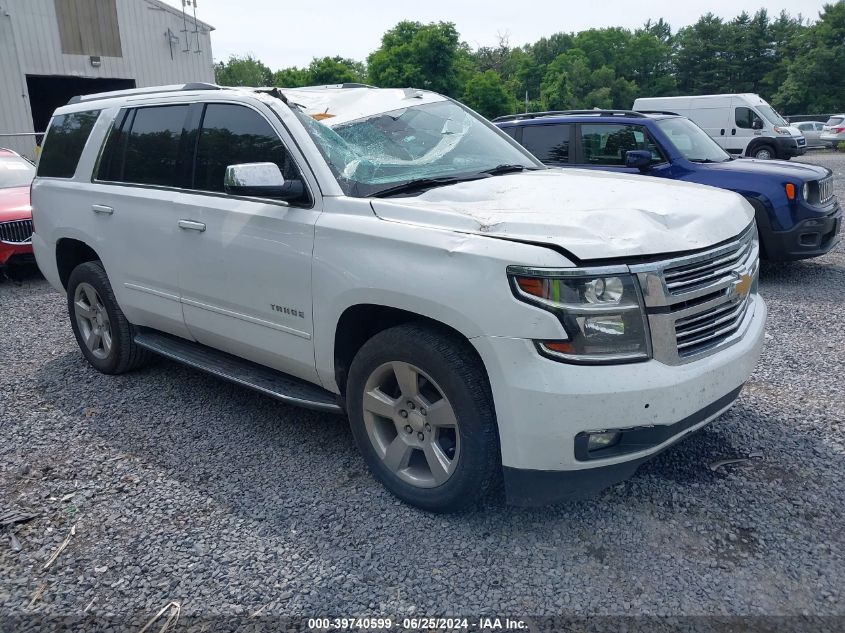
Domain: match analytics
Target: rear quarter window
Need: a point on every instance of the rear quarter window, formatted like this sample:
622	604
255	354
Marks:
64	143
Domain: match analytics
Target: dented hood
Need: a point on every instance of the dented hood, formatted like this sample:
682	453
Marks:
591	214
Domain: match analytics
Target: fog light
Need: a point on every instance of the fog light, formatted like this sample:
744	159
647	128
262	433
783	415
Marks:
597	441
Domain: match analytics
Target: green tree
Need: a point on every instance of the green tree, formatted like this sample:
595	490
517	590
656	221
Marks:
418	55
486	94
650	54
292	77
242	71
701	63
814	82
335	70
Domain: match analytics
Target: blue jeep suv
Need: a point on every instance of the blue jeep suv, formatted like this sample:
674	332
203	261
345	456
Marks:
797	214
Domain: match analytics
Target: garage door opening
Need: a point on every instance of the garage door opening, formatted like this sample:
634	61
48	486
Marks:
48	93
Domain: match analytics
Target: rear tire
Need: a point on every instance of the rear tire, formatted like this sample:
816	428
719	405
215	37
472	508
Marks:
106	338
421	378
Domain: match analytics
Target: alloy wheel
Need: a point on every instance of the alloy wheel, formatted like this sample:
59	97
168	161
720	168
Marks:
411	424
93	320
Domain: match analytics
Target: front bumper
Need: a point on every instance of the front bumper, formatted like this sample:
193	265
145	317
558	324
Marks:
15	253
810	237
787	146
542	405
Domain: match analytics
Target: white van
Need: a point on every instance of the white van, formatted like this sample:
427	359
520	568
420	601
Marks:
740	123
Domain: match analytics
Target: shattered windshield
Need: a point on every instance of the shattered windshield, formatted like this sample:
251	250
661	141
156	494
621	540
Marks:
439	140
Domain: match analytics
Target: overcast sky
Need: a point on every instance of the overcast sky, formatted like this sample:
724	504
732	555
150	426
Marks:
283	34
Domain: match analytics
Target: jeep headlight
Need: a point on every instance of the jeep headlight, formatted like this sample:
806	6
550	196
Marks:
601	311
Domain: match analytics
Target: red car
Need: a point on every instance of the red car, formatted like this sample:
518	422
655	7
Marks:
16	174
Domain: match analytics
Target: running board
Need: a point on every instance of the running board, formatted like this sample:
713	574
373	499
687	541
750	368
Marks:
242	372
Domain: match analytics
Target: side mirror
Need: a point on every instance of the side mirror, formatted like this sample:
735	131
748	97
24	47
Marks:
261	180
638	159
756	124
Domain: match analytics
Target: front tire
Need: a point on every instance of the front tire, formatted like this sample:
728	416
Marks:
764	152
104	335
422	414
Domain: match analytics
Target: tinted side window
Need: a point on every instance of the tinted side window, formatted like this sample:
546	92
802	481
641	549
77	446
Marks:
510	131
606	144
111	160
745	118
152	145
549	143
64	143
232	135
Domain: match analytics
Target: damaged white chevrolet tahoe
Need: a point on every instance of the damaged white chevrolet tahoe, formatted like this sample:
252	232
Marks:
392	255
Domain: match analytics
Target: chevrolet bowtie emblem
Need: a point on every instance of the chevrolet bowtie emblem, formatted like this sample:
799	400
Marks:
743	286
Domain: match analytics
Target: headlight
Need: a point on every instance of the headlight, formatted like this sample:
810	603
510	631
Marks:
805	191
602	313
782	131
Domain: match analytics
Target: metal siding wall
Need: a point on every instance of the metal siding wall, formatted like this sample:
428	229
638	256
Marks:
14	106
146	44
33	26
146	55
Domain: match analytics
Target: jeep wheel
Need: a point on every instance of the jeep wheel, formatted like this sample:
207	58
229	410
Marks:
764	152
104	335
422	415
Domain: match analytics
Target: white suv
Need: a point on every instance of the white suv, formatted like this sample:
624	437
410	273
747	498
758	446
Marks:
392	255
833	132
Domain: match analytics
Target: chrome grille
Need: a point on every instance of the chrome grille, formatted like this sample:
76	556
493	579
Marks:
697	333
701	303
16	232
825	190
682	279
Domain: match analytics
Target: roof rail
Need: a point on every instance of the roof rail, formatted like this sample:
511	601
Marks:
658	112
142	91
535	115
330	86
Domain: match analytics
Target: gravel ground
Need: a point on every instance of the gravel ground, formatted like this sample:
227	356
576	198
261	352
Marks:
184	488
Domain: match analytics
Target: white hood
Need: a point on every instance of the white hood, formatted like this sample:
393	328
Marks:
591	214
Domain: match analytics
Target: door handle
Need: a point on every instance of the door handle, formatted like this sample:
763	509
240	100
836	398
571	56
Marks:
101	209
190	225
733	132
722	132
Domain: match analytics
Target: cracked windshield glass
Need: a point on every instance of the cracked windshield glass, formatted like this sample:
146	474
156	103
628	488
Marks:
432	141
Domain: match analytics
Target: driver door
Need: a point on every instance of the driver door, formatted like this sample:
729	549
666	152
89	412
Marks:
747	126
246	262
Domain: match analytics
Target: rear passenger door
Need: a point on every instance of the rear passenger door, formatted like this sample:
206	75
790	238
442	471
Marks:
133	204
549	142
245	262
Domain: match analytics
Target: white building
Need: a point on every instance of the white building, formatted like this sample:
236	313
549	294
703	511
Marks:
52	50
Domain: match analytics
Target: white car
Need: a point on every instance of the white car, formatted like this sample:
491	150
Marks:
812	131
833	132
391	255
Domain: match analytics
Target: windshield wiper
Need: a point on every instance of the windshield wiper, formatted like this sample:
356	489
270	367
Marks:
707	160
419	184
507	169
